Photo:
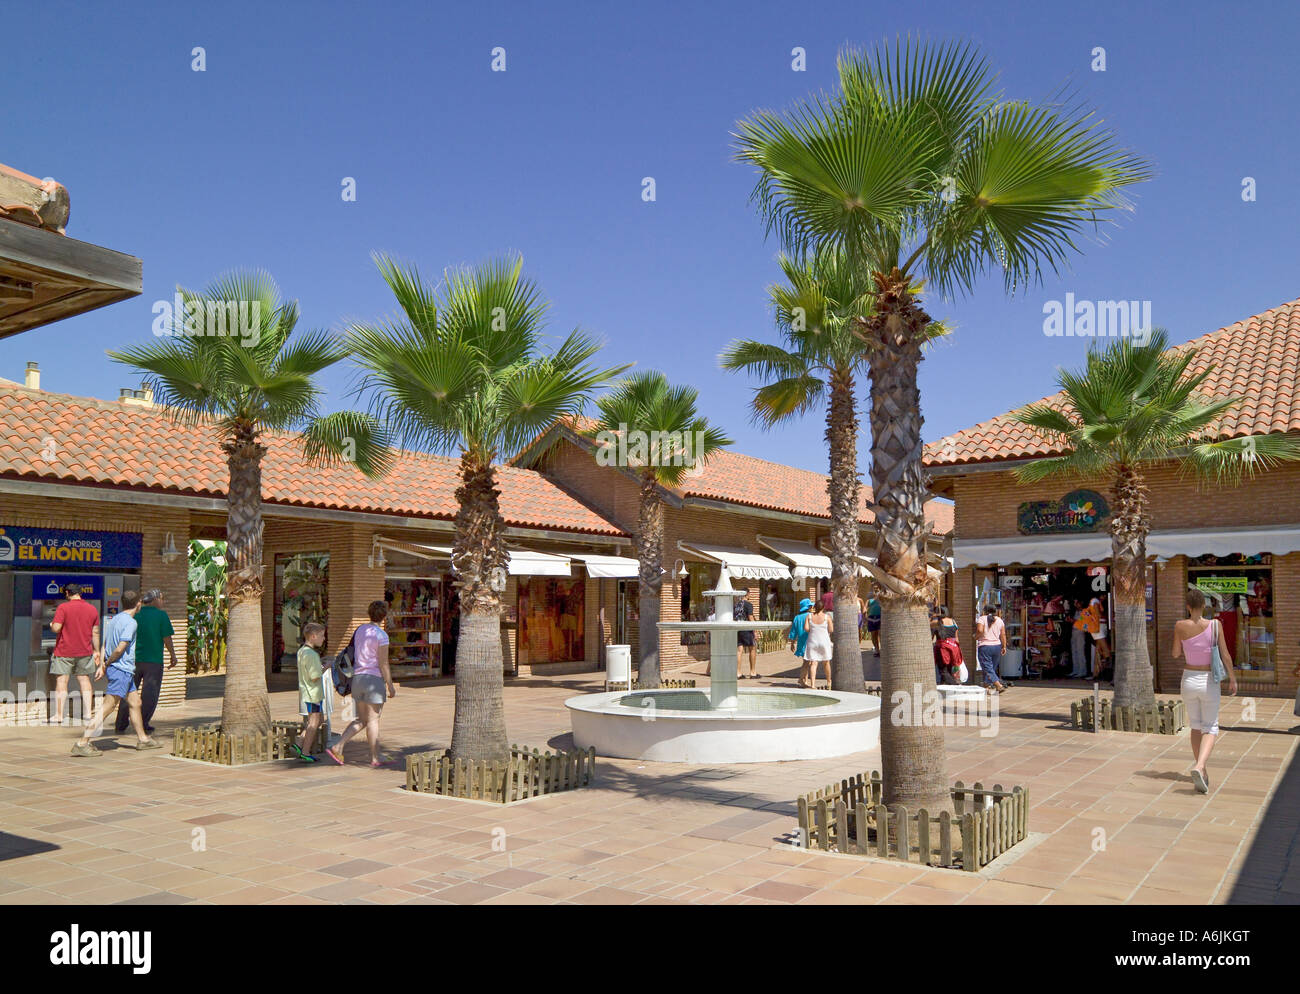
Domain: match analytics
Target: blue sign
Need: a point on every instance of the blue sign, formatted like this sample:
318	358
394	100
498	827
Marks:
36	548
49	586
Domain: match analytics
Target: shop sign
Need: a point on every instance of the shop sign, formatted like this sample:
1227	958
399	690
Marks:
1077	511
49	586
37	547
1222	584
1011	581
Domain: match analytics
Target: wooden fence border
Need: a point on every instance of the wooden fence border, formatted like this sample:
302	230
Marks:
208	744
849	817
527	773
1166	718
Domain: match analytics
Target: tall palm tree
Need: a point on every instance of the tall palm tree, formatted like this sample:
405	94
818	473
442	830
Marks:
230	359
819	361
1131	406
463	370
665	437
922	172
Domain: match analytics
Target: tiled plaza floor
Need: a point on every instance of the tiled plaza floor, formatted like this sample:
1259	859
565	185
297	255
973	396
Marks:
1113	819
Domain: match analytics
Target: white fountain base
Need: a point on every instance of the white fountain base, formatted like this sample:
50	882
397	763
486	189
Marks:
845	724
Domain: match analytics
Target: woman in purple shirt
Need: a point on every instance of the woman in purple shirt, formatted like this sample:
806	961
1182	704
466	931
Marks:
372	684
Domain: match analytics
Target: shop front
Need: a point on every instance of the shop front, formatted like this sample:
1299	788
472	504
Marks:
36	564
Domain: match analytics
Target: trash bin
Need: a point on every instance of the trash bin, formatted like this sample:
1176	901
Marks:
618	665
1010	664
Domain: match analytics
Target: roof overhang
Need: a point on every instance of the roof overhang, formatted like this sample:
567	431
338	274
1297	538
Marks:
46	277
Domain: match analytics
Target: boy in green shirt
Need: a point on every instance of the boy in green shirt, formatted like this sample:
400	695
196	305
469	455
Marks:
310	690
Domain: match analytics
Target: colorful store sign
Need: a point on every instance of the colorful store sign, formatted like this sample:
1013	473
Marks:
34	548
1077	511
1223	584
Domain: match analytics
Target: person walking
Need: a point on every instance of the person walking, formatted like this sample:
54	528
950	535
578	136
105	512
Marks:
744	611
118	661
798	638
311	689
372	684
873	622
1195	639
948	661
76	650
819	649
153	635
990	647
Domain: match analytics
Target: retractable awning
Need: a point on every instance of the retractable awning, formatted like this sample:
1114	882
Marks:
803	555
1225	541
1030	549
525	562
741	563
609	567
421	550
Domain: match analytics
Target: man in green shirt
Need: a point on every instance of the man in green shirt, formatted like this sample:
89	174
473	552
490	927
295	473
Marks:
153	635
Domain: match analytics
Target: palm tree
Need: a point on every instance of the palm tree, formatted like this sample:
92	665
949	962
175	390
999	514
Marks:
819	362
1131	406
230	359
665	438
463	370
923	173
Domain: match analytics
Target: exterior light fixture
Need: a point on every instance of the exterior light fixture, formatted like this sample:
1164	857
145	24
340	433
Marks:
169	552
376	559
682	571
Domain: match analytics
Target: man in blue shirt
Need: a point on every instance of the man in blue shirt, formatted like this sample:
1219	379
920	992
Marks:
119	662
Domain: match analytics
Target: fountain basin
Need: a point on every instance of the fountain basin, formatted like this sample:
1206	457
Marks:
768	725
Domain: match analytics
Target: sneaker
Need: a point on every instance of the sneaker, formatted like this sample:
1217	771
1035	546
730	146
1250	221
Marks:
148	744
85	750
1200	782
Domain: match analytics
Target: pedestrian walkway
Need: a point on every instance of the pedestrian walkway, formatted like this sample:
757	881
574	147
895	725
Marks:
1113	819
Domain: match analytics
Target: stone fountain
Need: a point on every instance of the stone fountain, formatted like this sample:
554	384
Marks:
725	724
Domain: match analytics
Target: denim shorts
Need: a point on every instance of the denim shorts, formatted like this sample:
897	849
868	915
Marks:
367	688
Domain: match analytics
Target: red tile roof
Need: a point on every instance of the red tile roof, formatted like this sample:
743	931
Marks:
100	443
747	480
1256	359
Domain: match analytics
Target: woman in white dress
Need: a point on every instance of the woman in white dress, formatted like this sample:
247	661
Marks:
820	629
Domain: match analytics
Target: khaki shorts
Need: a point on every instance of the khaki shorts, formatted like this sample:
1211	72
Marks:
72	666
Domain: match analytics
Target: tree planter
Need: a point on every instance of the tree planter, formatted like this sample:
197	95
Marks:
208	744
850	818
1166	718
526	774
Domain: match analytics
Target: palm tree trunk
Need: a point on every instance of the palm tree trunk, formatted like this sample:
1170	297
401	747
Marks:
843	488
245	708
1129	525
914	764
650	553
478	558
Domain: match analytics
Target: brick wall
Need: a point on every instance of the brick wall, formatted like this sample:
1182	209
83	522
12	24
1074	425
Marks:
153	523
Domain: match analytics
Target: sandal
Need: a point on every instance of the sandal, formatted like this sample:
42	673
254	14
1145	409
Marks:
376	764
334	756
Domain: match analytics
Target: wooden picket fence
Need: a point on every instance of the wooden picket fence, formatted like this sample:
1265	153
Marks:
1166	718
849	818
528	773
210	745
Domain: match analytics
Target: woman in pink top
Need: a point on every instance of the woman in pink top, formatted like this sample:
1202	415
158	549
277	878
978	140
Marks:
1194	638
990	647
372	685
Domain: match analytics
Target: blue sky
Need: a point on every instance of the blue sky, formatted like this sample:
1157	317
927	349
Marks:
241	166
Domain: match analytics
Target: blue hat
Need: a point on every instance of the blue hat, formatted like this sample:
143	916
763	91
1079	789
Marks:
805	605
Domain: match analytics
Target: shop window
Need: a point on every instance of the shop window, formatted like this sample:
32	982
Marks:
1239	589
551	620
695	606
416	631
301	595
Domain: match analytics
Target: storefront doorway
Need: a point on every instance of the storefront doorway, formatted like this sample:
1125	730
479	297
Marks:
1240	593
301	595
417	610
551	620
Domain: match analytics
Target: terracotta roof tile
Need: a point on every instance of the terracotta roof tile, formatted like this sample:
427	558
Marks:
1255	359
56	438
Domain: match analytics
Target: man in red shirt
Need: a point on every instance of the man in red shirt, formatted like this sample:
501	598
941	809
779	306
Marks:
76	649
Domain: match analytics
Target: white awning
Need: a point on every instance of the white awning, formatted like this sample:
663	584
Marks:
1031	549
525	562
609	567
801	554
1225	541
741	563
421	550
